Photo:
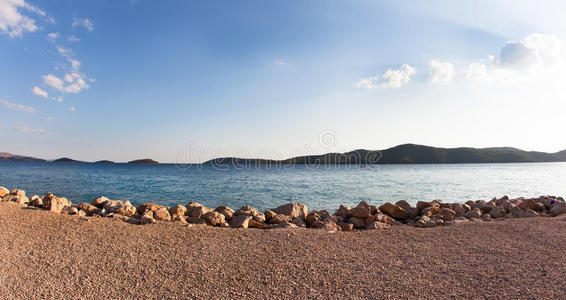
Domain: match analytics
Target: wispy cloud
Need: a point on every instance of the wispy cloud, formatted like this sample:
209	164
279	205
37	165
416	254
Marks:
86	23
73	38
73	81
66	52
23	128
278	62
72	108
53	36
39	92
392	78
17	107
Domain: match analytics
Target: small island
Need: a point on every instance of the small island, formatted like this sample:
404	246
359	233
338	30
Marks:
143	161
104	162
66	160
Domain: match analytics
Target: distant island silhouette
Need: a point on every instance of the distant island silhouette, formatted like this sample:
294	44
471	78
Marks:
408	154
402	154
66	160
143	161
104	162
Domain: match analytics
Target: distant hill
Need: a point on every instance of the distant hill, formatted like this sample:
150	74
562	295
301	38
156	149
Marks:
409	154
66	160
143	161
4	156
104	162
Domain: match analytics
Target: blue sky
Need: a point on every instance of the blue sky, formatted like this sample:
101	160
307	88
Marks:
126	79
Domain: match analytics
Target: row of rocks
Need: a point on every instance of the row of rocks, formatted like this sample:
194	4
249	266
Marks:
363	216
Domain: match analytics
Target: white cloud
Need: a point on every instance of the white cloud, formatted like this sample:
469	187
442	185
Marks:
13	22
58	99
86	23
17	107
72	82
278	62
73	38
37	91
440	72
53	35
72	108
31	130
53	81
536	56
392	78
66	52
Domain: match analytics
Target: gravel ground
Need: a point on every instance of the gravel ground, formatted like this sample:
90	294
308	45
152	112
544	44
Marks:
45	255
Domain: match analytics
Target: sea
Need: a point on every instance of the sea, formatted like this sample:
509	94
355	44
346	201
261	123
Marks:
264	187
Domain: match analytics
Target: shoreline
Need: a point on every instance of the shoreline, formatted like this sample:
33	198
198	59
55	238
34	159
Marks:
364	216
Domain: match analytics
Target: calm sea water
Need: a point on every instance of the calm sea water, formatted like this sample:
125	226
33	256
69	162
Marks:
320	188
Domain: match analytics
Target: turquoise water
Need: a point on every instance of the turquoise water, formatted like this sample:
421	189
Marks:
324	187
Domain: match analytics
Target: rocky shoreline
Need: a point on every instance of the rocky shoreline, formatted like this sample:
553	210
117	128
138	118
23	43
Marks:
293	215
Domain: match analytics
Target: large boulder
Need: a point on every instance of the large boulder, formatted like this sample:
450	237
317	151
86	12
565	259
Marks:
214	218
317	215
177	211
486	207
379	217
36	201
460	209
269	214
558	209
55	204
446	214
280	218
516	211
498	212
70	210
18	196
474	214
412	212
258	225
89	209
240	221
358	222
250	211
148	206
293	210
342	211
226	211
120	207
99	202
300	222
359	212
423	204
161	214
529	213
549	202
3	191
394	211
196	210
